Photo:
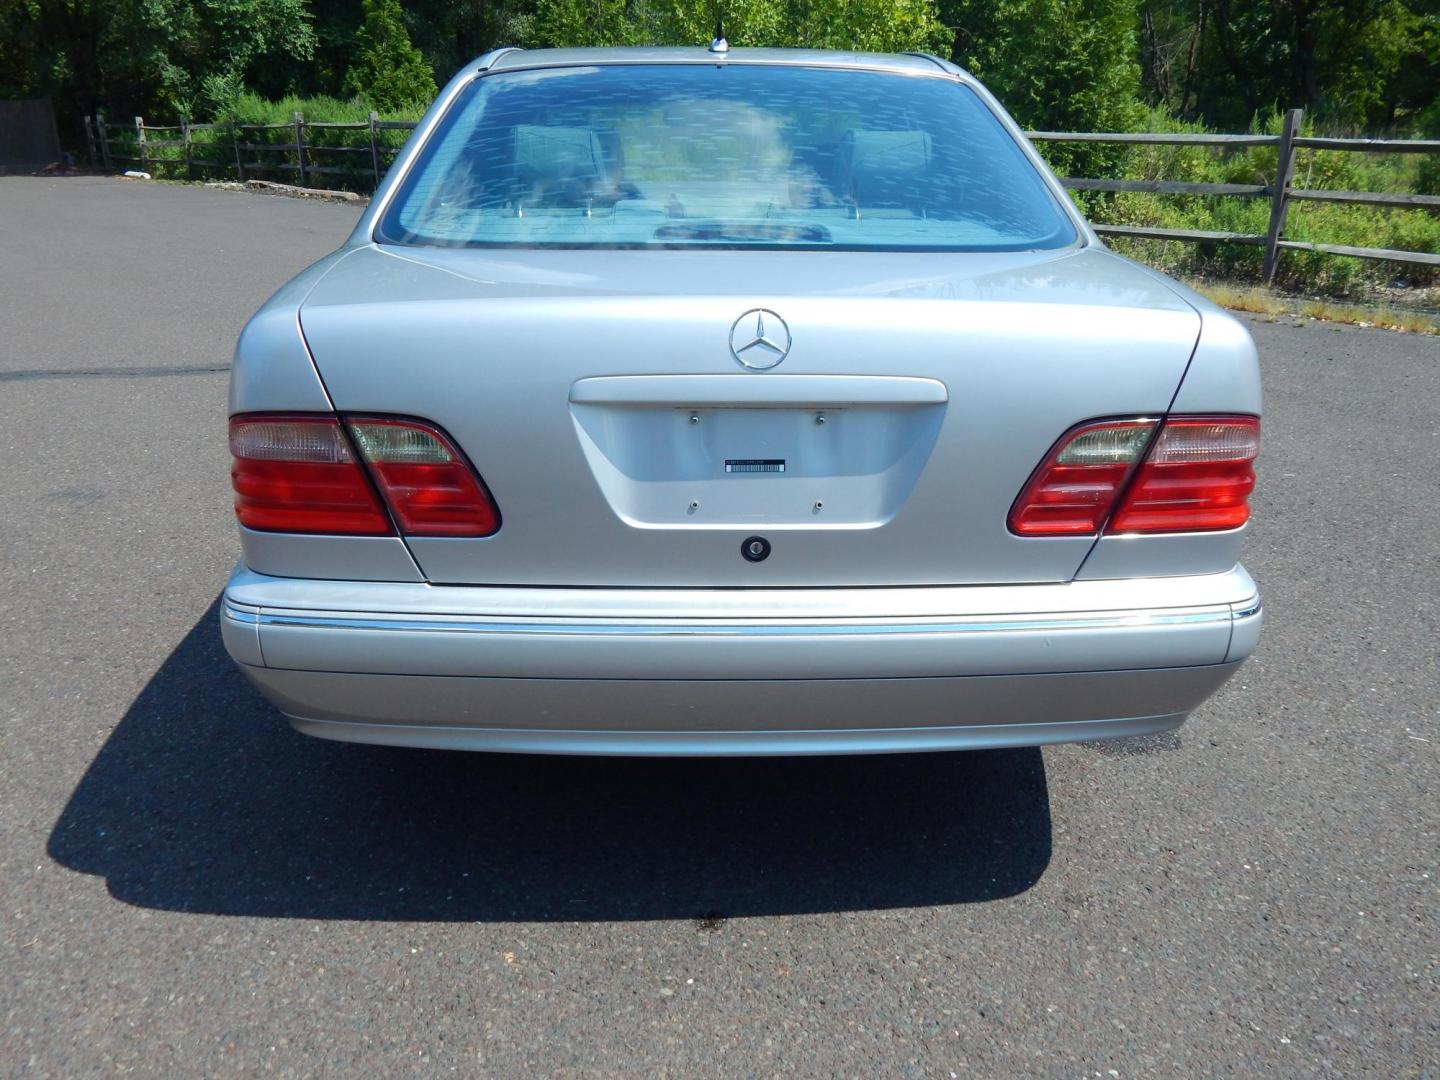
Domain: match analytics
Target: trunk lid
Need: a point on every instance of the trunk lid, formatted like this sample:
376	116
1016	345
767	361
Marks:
597	394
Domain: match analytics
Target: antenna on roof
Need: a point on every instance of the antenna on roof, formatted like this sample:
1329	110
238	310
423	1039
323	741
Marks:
718	44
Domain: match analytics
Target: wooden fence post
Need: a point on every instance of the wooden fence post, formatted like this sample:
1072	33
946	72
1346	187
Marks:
185	138
91	148
239	161
104	135
300	147
374	147
1284	167
140	142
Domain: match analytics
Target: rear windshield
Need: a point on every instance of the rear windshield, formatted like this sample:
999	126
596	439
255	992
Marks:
722	156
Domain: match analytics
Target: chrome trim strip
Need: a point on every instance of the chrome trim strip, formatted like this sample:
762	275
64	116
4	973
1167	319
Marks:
234	611
559	627
713	605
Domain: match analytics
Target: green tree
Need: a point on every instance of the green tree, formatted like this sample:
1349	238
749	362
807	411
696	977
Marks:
451	33
136	55
873	25
1066	65
388	71
591	22
1371	64
257	42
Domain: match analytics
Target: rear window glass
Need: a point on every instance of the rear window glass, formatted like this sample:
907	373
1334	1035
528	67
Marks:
722	156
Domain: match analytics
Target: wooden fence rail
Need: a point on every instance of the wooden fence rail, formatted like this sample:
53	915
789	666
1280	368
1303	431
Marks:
1280	192
304	157
251	150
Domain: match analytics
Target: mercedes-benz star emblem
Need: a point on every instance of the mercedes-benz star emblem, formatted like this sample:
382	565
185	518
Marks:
759	339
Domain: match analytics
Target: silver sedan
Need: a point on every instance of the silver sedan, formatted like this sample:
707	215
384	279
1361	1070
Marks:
686	401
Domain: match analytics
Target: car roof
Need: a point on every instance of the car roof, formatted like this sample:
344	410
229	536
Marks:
901	62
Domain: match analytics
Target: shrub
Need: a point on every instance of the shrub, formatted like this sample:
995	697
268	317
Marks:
389	71
1061	65
1333	223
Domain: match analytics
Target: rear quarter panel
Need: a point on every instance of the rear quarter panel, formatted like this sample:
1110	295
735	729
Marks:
1223	376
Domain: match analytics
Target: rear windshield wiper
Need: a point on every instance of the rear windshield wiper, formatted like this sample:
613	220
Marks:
745	232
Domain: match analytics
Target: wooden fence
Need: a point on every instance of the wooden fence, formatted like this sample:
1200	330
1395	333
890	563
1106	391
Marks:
1280	192
308	145
251	150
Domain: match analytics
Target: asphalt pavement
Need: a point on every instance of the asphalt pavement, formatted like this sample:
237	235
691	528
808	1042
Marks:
187	887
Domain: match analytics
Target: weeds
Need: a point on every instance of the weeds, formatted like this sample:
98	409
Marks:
1334	223
1263	301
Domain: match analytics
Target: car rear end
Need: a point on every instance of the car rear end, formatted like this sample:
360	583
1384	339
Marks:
775	405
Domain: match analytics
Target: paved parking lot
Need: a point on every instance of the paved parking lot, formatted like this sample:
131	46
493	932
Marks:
188	887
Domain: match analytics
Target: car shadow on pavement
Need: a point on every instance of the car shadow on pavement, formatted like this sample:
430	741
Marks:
203	800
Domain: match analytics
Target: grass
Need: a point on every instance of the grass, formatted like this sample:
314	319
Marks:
267	154
1274	305
1331	276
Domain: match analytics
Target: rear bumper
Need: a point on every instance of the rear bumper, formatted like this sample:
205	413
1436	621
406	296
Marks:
711	671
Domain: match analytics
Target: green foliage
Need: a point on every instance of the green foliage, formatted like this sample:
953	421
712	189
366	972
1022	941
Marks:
254	109
1081	64
1300	271
237	36
133	55
1356	66
866	25
218	94
388	70
1058	65
587	22
1428	180
870	25
1359	64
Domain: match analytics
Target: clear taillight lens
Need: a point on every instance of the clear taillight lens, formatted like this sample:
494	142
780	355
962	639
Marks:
1197	476
430	487
297	474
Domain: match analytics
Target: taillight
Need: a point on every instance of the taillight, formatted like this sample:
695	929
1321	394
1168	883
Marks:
1196	476
298	474
1075	487
431	489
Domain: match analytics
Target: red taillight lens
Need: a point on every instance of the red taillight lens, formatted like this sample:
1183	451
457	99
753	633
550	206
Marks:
297	474
1198	477
1075	487
431	489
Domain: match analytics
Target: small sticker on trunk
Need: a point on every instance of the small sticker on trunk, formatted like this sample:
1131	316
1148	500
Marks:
755	465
